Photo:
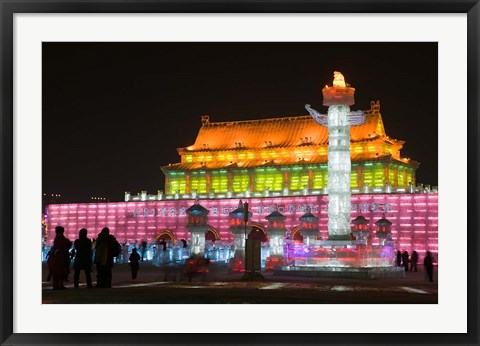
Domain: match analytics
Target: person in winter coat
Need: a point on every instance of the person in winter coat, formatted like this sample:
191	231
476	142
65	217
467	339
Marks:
83	258
133	263
428	265
399	258
106	248
143	245
413	261
58	258
163	245
405	260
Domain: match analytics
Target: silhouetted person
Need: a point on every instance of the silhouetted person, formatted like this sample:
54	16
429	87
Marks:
399	258
144	248
106	248
58	258
405	260
163	244
133	263
83	258
184	242
413	261
428	264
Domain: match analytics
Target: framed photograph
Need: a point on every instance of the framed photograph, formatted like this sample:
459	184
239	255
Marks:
239	173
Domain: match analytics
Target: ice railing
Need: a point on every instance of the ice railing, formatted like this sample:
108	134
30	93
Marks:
171	255
356	255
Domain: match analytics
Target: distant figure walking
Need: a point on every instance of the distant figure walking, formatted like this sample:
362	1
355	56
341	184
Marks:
163	244
428	264
413	261
106	248
144	248
405	260
133	263
399	258
184	242
58	258
83	258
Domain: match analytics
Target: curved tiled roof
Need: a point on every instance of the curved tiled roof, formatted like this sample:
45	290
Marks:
278	132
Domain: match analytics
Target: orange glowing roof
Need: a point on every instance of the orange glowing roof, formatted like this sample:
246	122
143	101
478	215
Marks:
278	132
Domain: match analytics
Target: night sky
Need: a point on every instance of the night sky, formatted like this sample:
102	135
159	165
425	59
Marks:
113	113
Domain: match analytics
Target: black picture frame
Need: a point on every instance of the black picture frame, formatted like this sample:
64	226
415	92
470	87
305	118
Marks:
10	7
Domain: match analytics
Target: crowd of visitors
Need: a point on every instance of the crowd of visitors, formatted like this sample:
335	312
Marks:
102	250
404	260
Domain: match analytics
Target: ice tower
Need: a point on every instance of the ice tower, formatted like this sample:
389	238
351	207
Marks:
341	254
338	98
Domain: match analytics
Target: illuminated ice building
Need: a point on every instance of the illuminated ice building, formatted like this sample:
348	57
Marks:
287	172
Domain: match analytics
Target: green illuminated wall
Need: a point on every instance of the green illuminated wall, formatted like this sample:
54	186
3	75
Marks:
391	175
199	182
176	181
298	178
240	180
368	174
379	177
409	176
270	177
320	177
400	177
375	174
354	177
220	181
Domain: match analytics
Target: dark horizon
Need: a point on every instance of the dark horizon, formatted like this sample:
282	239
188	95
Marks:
113	113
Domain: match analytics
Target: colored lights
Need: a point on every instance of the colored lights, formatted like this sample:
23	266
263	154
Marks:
375	175
286	144
171	215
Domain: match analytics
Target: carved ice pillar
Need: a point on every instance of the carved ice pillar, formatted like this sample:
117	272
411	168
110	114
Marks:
276	233
338	172
384	231
360	229
309	228
197	217
237	227
338	98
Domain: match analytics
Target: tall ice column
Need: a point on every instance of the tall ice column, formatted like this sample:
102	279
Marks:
339	166
338	98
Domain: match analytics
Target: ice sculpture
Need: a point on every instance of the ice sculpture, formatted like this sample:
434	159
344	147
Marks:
338	98
197	218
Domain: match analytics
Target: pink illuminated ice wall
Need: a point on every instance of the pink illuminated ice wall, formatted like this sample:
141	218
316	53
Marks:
414	217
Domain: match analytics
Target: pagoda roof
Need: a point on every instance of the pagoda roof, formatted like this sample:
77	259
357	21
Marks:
283	132
197	209
275	215
239	212
383	222
307	215
360	220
